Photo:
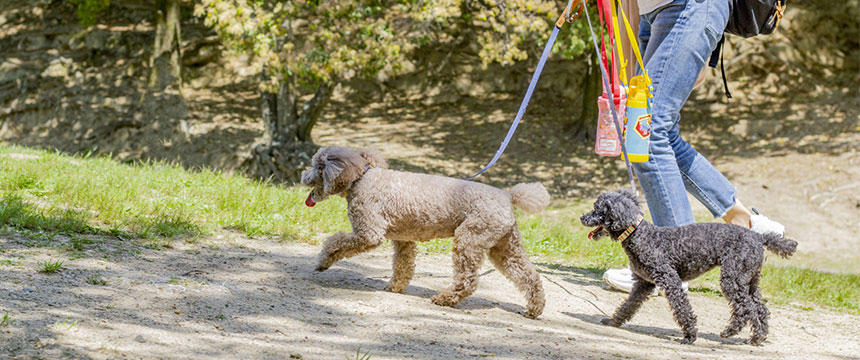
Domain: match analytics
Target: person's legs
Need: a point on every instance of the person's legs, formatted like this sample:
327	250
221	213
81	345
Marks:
678	39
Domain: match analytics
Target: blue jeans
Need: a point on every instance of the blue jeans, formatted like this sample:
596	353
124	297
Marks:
677	40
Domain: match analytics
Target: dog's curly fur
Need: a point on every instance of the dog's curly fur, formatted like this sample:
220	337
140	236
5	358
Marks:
666	256
409	207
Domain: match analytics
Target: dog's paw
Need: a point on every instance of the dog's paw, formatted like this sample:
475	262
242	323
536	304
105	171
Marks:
534	310
445	299
323	263
395	288
727	333
755	341
687	340
610	322
532	314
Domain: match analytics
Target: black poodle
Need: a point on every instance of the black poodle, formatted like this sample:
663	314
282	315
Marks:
666	256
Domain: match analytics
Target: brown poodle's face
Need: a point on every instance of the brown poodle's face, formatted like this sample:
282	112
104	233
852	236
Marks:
314	177
334	169
613	211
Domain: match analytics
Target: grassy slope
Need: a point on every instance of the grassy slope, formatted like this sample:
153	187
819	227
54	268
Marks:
45	193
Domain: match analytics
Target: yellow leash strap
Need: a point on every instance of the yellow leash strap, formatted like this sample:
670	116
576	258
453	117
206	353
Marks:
634	41
622	64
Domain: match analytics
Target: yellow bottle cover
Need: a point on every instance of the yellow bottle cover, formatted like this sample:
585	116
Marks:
639	92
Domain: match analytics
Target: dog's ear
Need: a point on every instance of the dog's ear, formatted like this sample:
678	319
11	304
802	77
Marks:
630	194
340	170
623	211
373	157
314	172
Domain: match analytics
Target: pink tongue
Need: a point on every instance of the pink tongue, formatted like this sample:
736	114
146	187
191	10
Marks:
591	234
310	201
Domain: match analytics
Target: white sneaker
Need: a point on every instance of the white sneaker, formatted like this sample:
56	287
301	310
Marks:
619	279
622	280
762	224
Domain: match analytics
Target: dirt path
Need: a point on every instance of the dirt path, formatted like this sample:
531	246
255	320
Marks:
232	297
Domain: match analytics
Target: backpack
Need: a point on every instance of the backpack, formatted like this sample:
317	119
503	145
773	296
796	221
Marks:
748	18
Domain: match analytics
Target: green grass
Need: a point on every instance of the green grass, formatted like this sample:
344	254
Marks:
50	267
96	279
359	355
44	193
788	284
6	320
47	191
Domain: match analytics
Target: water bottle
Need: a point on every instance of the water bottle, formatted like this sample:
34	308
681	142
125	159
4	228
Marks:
637	123
606	142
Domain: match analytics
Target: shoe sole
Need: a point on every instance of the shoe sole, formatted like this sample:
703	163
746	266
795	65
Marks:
621	289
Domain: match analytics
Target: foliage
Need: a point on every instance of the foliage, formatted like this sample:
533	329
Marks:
89	10
325	41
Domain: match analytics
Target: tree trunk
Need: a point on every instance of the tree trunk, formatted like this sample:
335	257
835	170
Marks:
287	147
592	88
165	63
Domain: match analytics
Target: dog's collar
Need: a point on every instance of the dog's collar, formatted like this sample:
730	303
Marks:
630	229
366	168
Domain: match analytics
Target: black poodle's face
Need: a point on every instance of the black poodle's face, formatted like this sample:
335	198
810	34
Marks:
613	211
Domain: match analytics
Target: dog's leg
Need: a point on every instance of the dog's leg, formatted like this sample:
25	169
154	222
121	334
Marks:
510	258
472	239
640	292
343	245
467	261
667	279
759	317
404	265
734	283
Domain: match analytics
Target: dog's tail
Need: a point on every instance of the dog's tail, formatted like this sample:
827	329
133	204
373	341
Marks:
779	245
531	197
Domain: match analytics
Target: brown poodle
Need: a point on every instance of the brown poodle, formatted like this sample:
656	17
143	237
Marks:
409	207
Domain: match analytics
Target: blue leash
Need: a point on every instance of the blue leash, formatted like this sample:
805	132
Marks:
546	51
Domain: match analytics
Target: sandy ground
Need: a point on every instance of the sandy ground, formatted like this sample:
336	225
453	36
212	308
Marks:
232	297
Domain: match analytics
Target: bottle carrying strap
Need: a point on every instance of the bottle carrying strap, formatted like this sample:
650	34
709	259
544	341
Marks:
634	42
622	65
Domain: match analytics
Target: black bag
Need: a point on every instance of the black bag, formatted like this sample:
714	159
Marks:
748	18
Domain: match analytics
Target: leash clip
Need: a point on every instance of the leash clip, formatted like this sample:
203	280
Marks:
568	16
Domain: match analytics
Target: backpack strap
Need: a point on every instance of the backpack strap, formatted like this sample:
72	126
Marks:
717	56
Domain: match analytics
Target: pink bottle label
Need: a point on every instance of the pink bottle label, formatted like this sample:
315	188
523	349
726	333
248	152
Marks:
606	141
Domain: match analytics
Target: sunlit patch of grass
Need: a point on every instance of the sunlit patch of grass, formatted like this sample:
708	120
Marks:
151	199
790	284
558	235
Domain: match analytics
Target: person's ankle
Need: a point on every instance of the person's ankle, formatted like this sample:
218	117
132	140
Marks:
738	215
